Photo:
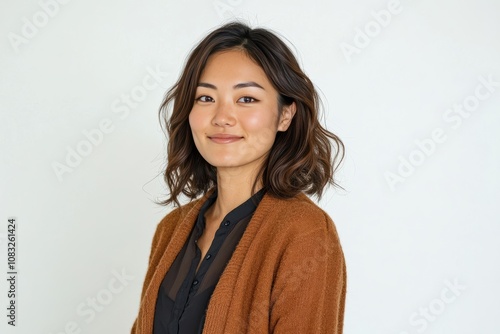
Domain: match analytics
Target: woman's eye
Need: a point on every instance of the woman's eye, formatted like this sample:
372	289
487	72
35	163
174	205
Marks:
247	99
204	98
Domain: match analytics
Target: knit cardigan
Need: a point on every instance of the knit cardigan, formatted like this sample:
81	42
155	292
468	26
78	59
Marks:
287	274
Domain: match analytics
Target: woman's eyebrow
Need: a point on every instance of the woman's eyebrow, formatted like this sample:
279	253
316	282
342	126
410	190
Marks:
237	86
248	84
206	85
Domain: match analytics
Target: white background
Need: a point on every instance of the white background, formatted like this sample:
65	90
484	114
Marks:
404	245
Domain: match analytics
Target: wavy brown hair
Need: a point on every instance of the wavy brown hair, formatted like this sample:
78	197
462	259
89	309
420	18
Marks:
300	158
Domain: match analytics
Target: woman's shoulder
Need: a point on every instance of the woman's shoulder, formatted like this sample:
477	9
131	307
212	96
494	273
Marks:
300	207
298	226
300	213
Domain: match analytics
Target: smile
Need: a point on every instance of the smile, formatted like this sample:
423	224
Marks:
224	139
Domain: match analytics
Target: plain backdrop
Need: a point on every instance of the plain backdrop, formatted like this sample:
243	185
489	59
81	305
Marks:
411	87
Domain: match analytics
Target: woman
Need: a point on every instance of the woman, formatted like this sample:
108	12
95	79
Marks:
250	253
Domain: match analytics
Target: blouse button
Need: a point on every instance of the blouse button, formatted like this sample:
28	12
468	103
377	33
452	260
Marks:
208	256
226	223
195	282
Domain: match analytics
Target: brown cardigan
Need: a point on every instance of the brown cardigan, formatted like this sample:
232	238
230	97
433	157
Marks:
287	274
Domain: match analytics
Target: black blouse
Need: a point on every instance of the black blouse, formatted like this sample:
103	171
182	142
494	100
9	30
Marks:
184	293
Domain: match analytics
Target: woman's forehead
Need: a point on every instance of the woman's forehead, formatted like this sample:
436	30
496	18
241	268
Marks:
233	65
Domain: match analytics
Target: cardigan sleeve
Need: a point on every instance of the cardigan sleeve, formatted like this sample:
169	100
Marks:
310	284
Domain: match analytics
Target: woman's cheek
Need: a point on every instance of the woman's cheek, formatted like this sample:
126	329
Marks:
195	120
255	120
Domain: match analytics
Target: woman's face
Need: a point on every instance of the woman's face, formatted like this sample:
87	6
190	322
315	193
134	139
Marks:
235	118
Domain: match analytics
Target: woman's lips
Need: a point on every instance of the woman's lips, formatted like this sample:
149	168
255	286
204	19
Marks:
224	139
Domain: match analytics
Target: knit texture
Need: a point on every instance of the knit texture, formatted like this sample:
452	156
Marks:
287	274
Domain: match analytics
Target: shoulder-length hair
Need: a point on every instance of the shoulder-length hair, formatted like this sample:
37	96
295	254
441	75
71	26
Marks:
300	158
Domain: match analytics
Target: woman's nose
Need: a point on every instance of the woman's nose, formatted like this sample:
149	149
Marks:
224	114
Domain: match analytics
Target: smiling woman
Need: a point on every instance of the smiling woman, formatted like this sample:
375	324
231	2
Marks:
250	253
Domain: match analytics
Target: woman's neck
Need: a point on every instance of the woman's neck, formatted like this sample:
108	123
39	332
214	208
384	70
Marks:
232	190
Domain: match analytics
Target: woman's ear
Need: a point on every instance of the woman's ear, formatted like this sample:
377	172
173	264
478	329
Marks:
286	116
